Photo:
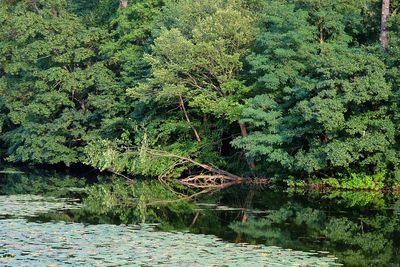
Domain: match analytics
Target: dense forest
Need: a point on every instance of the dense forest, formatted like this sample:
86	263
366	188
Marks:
295	90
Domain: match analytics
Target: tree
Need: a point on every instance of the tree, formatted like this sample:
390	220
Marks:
57	93
392	56
95	13
321	106
195	60
131	37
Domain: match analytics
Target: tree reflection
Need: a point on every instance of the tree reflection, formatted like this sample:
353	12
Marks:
40	182
366	237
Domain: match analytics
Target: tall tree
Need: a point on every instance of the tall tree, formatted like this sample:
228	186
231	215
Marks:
196	58
57	93
321	106
384	16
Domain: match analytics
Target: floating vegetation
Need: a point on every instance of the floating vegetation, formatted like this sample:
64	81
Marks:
43	244
59	243
18	206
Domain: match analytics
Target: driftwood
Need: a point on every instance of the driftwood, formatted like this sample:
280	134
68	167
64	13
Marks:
215	181
209	178
210	181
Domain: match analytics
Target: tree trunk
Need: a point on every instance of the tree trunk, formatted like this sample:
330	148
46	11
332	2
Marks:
243	131
383	38
123	4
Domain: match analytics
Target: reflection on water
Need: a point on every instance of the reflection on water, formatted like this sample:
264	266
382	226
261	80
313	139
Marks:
360	231
359	228
58	243
40	182
363	241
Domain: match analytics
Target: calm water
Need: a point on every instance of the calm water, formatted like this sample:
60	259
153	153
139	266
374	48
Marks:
42	223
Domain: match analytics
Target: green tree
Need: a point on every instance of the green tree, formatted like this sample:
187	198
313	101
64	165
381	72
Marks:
392	56
196	56
131	36
195	61
322	104
58	93
191	97
95	13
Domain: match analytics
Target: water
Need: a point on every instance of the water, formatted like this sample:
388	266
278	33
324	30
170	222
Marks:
236	227
26	242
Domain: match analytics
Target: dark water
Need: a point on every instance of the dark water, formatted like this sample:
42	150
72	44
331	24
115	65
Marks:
236	227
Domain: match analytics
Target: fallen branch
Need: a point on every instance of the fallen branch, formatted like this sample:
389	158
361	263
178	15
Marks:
209	168
210	181
208	178
220	181
211	178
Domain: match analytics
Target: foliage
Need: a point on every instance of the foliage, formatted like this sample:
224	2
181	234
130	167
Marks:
94	12
130	31
313	93
196	56
358	181
57	91
351	181
322	104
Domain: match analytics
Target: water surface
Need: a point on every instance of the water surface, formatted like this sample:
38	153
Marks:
42	223
26	242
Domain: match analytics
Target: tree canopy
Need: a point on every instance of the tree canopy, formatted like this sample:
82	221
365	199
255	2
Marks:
298	88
